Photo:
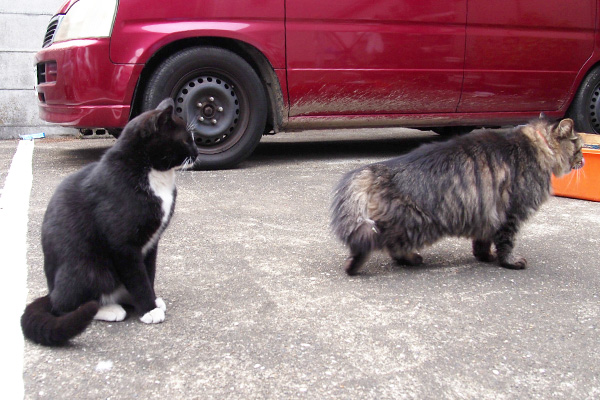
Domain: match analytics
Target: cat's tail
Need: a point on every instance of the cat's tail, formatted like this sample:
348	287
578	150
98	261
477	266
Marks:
41	326
355	205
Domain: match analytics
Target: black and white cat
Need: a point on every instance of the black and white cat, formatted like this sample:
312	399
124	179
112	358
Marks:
101	229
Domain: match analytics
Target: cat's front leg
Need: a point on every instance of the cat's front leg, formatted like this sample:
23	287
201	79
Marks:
150	263
160	303
504	240
153	316
156	315
134	275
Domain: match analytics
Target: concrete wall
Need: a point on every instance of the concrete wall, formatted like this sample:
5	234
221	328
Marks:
23	25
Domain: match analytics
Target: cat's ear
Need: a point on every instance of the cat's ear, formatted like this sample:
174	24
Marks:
565	128
166	108
165	104
542	115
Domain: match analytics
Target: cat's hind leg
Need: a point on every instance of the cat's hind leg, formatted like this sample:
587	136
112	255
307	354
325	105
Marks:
355	261
482	250
111	309
412	259
111	313
403	256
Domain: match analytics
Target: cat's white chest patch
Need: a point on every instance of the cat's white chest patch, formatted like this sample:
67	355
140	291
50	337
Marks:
162	184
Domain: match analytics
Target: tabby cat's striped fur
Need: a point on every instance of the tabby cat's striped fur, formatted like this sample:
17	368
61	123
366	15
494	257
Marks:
480	186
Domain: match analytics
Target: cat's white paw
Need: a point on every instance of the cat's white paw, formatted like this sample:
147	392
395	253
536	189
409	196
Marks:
155	316
111	313
160	303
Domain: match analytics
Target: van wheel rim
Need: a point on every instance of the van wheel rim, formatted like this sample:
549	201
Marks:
594	109
212	110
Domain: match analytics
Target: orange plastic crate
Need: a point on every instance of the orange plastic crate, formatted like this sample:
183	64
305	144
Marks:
584	183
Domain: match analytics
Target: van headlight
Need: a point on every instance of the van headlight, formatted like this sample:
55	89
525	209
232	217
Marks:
87	19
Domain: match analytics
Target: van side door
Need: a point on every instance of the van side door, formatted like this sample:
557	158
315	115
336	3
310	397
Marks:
353	57
524	55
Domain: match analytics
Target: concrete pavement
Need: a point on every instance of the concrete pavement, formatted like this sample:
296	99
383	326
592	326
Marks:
258	306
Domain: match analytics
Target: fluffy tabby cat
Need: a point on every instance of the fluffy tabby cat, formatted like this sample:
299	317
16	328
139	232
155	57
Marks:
101	229
480	186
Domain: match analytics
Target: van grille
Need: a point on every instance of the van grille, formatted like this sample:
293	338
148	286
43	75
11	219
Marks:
51	30
41	73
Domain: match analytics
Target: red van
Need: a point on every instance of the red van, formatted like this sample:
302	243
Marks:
239	69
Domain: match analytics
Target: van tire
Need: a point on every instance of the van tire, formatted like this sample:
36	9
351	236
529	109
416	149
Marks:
221	98
585	108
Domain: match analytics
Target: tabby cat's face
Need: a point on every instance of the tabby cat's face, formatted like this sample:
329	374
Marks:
573	147
568	146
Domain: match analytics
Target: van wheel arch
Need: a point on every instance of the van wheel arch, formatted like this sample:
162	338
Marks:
276	113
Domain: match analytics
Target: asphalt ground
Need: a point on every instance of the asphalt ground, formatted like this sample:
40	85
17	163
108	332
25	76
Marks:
258	306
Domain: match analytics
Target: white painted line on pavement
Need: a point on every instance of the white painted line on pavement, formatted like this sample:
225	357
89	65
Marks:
14	206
